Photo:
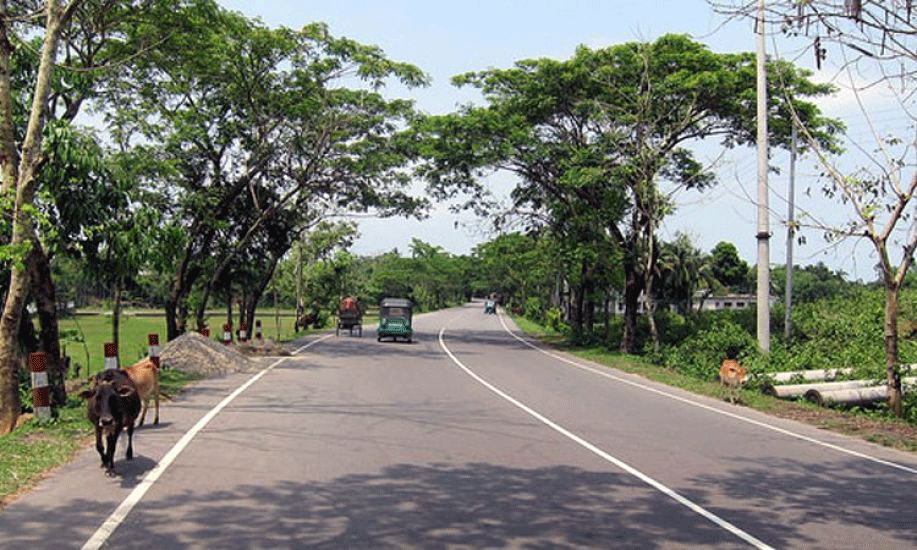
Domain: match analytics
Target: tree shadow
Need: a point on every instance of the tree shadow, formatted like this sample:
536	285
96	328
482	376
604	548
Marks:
833	495
411	506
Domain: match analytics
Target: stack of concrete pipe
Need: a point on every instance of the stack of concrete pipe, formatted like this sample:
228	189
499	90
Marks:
847	392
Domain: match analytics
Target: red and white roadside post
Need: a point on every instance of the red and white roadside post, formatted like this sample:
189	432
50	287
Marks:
204	331
243	333
227	333
111	355
153	340
41	394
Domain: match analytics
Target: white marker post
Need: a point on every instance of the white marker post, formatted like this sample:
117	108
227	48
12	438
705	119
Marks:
41	394
111	355
153	340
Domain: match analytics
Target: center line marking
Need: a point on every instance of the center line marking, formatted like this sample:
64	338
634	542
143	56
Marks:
606	456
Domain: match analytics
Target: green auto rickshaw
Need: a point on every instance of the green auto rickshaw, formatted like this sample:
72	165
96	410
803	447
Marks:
395	319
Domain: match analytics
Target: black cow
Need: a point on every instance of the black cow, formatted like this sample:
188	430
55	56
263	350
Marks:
112	405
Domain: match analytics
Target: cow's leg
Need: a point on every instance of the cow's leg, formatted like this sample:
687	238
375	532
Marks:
156	397
129	454
99	446
109	460
142	413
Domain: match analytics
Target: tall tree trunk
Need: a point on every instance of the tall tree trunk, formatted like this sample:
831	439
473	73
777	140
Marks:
576	312
171	310
632	289
633	285
588	298
201	312
20	179
891	349
45	295
650	303
116	316
229	304
257	292
176	308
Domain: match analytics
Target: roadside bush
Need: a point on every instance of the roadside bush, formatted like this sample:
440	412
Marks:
849	333
554	321
534	309
701	355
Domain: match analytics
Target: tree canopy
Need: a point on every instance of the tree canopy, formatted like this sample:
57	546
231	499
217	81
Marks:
600	141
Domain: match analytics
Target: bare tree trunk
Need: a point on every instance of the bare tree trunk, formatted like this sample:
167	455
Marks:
576	311
21	180
588	299
633	285
651	310
45	296
176	309
257	292
228	304
648	284
891	350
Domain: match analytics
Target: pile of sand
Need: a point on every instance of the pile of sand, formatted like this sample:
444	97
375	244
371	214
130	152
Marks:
202	356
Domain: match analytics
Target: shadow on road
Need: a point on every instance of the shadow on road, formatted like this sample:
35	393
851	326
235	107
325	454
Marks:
418	506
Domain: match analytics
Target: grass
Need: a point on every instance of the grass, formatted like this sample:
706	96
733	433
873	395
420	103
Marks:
31	451
83	337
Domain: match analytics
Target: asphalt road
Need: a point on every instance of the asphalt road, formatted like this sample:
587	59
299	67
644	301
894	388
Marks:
470	437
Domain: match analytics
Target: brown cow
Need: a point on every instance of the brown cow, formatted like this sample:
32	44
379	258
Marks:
145	376
732	375
112	404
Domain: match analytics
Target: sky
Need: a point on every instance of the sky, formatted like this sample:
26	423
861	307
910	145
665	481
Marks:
449	38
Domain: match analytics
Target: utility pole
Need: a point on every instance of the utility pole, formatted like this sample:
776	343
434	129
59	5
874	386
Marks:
763	235
790	234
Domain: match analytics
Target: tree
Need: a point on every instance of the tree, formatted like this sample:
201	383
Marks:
727	268
245	113
88	35
317	264
599	142
681	269
438	277
812	283
20	162
876	43
515	266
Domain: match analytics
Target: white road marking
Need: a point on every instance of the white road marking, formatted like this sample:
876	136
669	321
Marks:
117	517
758	423
607	457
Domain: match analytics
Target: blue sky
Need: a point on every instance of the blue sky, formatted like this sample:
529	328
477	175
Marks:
449	38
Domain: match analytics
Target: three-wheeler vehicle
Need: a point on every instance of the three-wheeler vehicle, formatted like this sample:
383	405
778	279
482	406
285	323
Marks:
395	319
350	316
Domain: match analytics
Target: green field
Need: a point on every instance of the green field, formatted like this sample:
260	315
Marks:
84	335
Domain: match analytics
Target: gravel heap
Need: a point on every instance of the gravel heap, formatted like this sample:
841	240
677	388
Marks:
262	348
202	356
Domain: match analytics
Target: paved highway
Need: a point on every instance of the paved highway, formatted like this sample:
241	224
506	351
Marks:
470	437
